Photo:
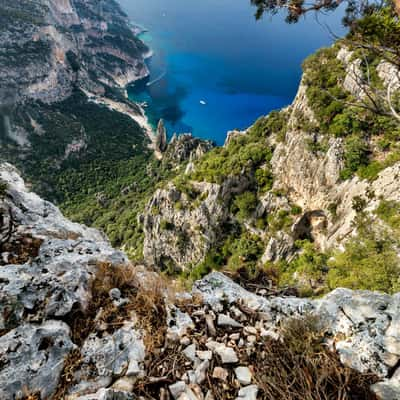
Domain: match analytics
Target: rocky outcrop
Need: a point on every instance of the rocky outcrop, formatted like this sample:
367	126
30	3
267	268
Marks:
50	46
313	181
161	138
186	147
307	168
48	264
360	325
211	334
179	235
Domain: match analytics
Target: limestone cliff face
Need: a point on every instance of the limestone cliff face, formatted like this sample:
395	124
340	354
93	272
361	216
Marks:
303	175
178	231
51	46
312	180
64	68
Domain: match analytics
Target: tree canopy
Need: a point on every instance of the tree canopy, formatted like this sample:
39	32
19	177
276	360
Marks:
294	9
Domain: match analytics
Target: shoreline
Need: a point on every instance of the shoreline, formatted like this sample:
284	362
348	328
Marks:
124	108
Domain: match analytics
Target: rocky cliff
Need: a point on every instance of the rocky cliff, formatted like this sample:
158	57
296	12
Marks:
75	323
289	179
64	68
50	46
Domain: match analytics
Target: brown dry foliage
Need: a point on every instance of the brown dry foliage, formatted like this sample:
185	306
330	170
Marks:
35	396
301	367
262	278
146	301
71	364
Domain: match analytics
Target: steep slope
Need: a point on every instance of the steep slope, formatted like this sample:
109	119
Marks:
64	66
318	176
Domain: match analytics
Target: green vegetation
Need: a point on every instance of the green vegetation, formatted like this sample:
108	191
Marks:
310	267
340	114
356	155
389	212
245	154
239	250
242	155
369	262
111	158
244	205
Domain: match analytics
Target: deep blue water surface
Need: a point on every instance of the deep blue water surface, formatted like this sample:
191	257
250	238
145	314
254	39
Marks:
215	52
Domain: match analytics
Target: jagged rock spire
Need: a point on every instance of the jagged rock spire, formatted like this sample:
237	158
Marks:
161	139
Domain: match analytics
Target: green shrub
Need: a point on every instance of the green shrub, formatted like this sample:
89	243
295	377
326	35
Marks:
296	210
389	212
244	252
244	154
264	179
369	261
279	221
274	123
356	155
244	205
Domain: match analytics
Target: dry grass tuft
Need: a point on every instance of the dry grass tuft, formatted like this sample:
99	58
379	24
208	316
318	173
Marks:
71	364
35	396
301	367
147	298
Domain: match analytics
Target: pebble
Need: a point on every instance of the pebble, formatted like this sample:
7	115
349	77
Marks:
220	373
243	375
251	339
227	354
124	384
250	330
204	355
225	320
190	353
248	393
115	294
185	341
200	372
177	389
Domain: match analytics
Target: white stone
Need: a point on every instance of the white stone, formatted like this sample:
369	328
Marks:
204	355
177	389
243	375
220	373
190	353
226	320
227	354
248	393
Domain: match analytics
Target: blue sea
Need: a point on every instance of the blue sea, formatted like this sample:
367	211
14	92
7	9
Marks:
215	67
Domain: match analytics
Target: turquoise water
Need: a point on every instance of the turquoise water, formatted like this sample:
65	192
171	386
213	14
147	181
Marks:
219	68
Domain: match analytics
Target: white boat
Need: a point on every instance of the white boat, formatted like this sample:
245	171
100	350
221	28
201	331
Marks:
202	102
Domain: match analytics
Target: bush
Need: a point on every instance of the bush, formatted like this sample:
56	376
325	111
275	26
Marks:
369	262
310	263
274	123
244	252
389	212
244	205
244	154
356	155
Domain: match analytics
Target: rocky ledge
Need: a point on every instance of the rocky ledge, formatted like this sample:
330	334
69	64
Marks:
72	323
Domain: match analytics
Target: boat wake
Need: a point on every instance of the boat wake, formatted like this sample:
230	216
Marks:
157	79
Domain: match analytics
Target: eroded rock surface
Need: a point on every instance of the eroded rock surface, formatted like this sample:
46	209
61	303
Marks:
51	283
